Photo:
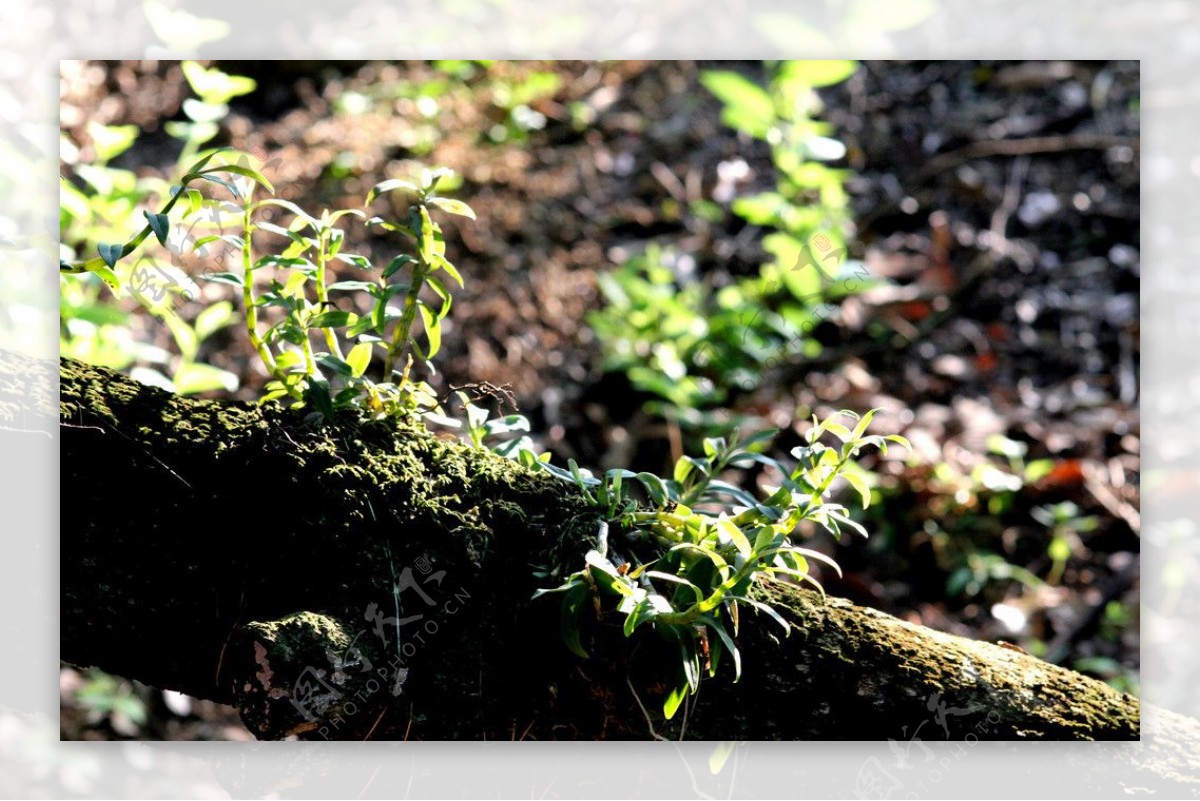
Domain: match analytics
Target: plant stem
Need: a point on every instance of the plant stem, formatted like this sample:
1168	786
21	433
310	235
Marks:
248	292
400	339
331	339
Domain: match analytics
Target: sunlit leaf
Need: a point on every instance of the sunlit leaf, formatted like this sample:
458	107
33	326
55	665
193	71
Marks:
391	185
213	85
110	141
451	206
245	172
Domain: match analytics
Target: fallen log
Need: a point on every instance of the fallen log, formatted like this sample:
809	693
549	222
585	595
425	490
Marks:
370	580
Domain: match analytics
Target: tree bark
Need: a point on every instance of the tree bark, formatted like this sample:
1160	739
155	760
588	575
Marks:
227	551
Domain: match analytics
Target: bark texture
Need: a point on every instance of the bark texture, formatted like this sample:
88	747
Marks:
226	551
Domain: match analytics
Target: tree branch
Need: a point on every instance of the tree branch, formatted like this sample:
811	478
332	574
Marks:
371	579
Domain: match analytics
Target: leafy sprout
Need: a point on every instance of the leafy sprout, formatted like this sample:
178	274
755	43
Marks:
690	560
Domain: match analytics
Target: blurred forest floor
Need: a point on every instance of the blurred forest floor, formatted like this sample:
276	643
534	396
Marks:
1016	518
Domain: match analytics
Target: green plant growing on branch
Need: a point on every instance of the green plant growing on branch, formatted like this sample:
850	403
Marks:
685	565
330	379
681	558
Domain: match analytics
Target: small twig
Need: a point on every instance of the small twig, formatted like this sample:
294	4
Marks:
1008	205
161	463
483	389
371	731
85	428
1030	146
645	714
1108	500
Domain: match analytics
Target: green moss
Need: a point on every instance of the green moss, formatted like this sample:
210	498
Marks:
304	635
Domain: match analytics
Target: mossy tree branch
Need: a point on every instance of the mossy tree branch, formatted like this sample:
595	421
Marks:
225	550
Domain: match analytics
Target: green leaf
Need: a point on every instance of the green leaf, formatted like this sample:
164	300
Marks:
229	239
426	240
674	699
245	172
233	190
215	86
192	378
438	287
859	482
765	609
397	264
194	199
727	528
655	487
748	107
204	158
727	641
572	611
605	574
364	324
333	319
350	286
440	262
723	568
390	185
294	285
205	113
213	318
451	206
110	141
433	330
737	493
815	74
683	468
110	254
286	231
861	428
841	519
106	275
355	260
430	178
765	208
581	477
300	213
359	358
817	556
160	225
287	360
225	278
838	430
335	364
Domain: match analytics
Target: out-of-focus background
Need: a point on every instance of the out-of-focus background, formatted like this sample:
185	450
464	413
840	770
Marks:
668	250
